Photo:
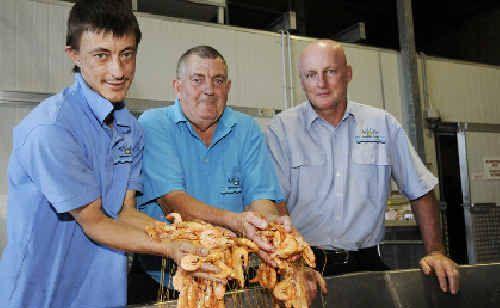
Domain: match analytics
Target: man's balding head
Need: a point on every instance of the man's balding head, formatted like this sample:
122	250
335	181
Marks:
325	74
321	48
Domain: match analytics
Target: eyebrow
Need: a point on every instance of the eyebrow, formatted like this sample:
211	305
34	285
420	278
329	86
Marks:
102	49
99	49
220	75
203	75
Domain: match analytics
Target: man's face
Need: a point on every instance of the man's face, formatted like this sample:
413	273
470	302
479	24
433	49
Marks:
107	63
324	76
202	90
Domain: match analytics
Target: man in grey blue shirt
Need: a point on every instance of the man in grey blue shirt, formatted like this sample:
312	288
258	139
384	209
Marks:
205	160
335	159
73	174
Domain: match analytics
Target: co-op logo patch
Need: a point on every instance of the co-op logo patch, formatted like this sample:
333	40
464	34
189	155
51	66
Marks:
369	135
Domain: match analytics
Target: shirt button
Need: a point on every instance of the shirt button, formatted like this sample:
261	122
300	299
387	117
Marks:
338	194
337	174
337	218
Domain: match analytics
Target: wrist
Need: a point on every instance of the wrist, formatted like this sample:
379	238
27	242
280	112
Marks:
436	252
166	249
233	221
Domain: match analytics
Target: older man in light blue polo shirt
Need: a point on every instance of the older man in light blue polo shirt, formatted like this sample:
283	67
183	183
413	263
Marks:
335	159
205	160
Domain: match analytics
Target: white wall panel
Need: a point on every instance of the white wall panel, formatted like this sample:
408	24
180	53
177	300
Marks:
391	83
463	91
10	115
365	85
480	146
258	64
253	59
32	51
7	44
59	66
34	54
298	44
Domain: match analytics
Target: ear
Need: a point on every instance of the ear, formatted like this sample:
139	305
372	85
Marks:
177	84
228	85
73	54
349	73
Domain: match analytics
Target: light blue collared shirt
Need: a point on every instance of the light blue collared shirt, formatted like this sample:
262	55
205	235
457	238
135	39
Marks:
64	157
337	180
235	170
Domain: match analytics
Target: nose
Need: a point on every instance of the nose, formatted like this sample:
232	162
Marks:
321	80
209	88
116	68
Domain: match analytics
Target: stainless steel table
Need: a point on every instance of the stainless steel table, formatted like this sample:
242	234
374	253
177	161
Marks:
480	287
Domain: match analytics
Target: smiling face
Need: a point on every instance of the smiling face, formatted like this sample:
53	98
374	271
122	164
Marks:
106	62
325	75
202	89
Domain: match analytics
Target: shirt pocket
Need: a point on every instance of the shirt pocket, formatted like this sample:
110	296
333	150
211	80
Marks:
371	171
305	172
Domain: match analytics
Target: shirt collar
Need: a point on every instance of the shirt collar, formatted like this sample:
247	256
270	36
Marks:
100	106
311	116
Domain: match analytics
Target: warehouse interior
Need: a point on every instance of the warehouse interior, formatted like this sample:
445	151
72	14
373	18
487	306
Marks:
450	110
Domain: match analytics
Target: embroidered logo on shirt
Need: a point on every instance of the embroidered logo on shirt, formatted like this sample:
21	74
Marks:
234	180
233	187
126	151
124	154
369	135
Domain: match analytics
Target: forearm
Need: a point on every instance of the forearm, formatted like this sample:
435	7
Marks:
191	208
426	213
124	236
134	218
116	234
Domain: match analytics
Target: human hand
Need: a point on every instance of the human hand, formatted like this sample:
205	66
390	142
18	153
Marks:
313	279
444	268
178	249
249	224
286	222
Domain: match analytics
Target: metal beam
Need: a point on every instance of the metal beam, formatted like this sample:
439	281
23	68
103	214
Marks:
412	114
353	34
134	5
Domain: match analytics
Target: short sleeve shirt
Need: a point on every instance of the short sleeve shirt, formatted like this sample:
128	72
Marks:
64	157
231	173
336	180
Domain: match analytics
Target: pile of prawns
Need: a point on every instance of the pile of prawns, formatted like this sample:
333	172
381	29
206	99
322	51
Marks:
230	255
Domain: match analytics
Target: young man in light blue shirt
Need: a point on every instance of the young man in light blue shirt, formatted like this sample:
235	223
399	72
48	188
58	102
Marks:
205	160
335	159
73	174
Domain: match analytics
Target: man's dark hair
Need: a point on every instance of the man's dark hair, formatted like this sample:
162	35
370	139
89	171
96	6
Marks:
204	52
113	16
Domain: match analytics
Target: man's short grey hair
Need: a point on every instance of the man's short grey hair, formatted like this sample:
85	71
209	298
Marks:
204	52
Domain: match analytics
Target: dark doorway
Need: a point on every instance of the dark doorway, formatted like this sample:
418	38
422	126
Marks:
451	193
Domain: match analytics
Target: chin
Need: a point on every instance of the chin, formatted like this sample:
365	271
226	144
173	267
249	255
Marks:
115	98
325	103
209	118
